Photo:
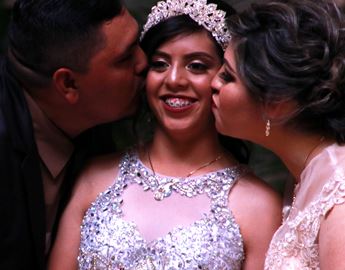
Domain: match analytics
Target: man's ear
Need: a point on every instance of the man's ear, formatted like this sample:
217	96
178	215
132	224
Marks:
65	83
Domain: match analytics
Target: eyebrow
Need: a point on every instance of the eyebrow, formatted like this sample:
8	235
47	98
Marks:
200	54
188	56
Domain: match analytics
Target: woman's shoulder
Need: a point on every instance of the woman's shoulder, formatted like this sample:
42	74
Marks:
252	195
98	174
100	167
257	208
250	190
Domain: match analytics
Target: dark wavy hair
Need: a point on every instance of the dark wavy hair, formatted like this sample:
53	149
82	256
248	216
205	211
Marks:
184	25
45	35
295	50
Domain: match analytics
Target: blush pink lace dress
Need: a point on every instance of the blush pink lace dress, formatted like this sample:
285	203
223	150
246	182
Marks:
295	244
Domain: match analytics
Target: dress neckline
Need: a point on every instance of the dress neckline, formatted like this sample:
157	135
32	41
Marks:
147	168
315	158
163	186
204	242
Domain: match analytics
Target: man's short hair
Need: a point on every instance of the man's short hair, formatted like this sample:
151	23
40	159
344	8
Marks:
45	35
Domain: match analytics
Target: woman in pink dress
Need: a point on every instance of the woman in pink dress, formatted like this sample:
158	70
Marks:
282	86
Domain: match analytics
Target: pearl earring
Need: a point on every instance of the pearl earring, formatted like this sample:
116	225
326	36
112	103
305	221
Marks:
268	128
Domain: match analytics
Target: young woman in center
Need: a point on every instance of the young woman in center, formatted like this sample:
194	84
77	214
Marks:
182	200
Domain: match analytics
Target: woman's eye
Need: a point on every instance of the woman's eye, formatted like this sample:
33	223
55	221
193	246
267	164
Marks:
226	76
197	67
158	65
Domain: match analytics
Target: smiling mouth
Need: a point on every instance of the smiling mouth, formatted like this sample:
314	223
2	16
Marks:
178	102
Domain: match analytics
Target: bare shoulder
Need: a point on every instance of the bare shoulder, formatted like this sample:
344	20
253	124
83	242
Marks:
97	175
252	198
257	209
332	239
100	170
256	193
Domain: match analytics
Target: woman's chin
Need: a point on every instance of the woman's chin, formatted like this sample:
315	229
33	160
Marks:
220	129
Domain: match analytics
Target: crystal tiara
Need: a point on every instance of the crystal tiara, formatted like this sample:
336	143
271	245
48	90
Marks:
206	15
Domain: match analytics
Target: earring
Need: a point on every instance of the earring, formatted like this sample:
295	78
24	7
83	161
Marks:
268	128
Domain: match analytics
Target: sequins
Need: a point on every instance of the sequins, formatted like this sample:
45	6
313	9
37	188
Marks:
213	242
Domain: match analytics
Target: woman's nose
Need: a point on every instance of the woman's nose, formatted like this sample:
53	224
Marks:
216	84
176	78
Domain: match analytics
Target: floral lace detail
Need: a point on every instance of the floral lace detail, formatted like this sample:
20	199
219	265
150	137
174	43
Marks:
297	248
212	242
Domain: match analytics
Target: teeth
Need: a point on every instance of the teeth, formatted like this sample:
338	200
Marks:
177	102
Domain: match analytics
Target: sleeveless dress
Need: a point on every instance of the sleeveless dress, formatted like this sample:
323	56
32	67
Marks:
295	244
212	242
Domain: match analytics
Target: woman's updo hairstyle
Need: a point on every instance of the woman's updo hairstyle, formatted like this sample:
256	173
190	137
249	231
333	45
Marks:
288	51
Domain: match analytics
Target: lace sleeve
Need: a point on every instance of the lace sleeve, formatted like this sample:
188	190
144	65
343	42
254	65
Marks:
333	192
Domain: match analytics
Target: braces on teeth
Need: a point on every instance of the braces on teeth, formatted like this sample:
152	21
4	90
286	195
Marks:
176	102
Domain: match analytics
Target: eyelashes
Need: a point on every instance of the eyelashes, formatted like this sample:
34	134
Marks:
226	76
158	65
197	67
194	67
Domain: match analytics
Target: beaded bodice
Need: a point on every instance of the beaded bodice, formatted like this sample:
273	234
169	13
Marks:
212	242
295	244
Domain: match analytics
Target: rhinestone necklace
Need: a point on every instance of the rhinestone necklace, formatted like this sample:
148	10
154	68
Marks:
165	189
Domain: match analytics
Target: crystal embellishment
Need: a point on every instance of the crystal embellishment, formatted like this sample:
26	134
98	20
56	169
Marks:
206	15
109	242
163	186
164	191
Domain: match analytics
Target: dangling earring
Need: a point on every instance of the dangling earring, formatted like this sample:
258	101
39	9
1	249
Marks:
268	128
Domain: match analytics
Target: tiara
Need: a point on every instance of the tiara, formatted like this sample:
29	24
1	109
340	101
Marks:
206	15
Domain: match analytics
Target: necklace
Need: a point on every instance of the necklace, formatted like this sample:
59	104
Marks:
165	189
312	151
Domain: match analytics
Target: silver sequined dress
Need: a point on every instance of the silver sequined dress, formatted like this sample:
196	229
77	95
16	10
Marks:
212	242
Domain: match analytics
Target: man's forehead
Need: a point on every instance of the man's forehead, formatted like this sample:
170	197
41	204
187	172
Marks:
129	31
121	33
125	23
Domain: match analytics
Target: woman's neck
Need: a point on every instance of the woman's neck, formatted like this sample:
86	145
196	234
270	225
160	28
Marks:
298	150
199	145
177	156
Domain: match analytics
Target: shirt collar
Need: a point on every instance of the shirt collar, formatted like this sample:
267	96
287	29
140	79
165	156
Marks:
54	147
